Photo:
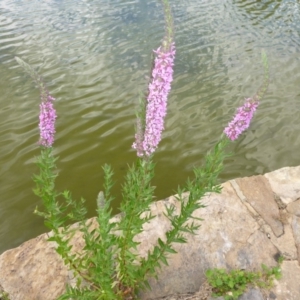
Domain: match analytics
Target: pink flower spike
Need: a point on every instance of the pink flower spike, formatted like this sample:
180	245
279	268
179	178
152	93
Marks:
47	121
156	109
242	119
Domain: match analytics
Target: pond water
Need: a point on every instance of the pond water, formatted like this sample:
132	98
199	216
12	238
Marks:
95	57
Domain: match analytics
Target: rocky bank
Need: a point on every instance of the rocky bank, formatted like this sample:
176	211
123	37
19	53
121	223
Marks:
253	221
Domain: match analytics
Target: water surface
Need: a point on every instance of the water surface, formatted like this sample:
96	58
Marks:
95	57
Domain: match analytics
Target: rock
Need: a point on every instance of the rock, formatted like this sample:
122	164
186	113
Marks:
228	238
294	208
285	243
296	230
285	183
259	195
288	287
33	271
242	228
252	294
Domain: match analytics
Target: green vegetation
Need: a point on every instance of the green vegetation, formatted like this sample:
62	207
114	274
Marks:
232	284
4	295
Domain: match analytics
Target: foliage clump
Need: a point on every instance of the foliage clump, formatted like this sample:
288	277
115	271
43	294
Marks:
232	284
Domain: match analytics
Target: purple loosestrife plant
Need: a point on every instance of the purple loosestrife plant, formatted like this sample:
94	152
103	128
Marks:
47	122
159	88
242	119
109	266
47	112
151	124
244	114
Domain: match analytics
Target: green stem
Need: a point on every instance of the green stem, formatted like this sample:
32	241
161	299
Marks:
201	185
139	177
261	92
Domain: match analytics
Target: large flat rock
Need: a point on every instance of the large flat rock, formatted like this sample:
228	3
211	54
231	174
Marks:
228	238
33	271
243	227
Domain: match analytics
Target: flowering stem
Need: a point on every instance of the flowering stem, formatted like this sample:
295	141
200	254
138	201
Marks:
265	84
169	24
242	119
244	114
150	126
137	196
47	112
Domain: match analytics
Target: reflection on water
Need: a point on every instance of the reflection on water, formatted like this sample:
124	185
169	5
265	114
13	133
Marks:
95	58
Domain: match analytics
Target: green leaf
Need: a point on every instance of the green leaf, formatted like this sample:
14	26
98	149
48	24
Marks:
180	240
170	249
164	260
231	284
219	282
161	243
209	273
